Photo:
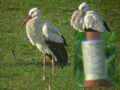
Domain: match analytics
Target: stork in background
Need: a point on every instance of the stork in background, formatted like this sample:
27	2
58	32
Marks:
47	38
85	20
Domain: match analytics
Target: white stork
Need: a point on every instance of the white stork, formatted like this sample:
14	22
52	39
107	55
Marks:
47	38
85	20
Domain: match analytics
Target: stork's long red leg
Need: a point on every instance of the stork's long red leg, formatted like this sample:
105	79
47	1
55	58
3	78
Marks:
44	60
53	75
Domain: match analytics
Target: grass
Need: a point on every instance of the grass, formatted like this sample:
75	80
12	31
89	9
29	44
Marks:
23	71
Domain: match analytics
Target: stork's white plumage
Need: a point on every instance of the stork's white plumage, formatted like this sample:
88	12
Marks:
47	38
84	20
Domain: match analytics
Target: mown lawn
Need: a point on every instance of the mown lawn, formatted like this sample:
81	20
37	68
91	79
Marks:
21	63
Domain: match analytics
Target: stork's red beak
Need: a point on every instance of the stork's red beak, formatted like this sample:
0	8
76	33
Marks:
25	21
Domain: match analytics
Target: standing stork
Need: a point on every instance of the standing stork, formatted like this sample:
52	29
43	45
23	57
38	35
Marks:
85	20
47	38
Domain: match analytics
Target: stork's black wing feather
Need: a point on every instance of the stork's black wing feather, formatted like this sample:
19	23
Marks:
64	40
90	30
106	26
59	52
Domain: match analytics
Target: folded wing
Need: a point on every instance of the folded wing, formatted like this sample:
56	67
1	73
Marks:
51	33
94	22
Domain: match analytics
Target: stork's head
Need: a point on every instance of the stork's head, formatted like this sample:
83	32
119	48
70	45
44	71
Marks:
84	6
34	12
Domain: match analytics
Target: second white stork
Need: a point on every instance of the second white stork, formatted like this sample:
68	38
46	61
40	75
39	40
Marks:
85	20
47	38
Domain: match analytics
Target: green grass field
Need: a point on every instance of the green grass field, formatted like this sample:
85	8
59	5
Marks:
21	63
